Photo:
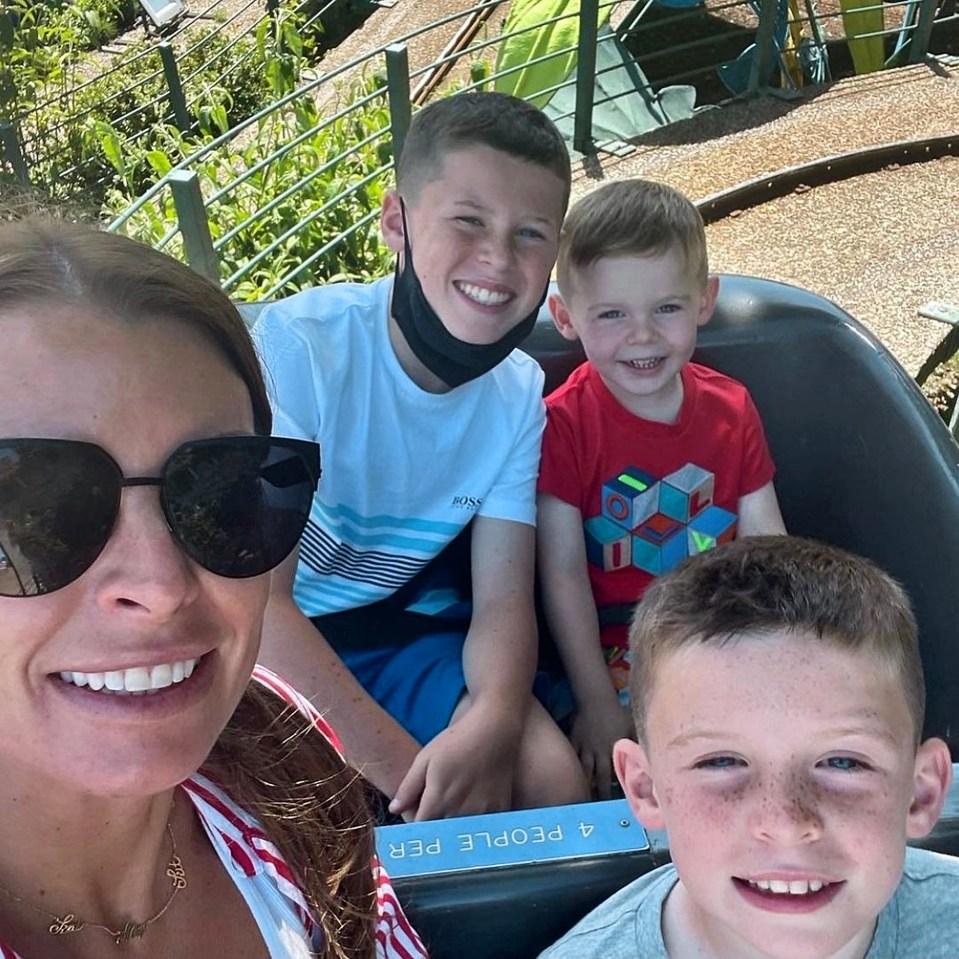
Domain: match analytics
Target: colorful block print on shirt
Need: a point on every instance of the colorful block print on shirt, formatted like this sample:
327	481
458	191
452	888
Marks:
652	524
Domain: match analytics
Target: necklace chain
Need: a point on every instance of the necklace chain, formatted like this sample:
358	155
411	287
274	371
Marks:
70	922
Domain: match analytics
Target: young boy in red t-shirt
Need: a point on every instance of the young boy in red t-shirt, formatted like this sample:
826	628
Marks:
647	458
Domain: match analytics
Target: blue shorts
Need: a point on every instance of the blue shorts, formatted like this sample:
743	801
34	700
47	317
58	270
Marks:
418	684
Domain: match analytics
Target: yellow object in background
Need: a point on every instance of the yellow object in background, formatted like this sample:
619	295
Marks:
868	53
538	42
791	63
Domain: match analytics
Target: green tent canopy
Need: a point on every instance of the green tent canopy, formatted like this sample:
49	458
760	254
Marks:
624	104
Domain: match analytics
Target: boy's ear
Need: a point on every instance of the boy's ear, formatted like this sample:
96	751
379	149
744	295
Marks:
933	775
633	772
561	317
707	302
391	221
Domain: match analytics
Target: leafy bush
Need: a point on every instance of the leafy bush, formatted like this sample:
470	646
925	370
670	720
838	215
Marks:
39	41
320	168
93	136
105	142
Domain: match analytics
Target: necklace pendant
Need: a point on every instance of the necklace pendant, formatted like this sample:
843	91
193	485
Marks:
130	930
177	873
64	925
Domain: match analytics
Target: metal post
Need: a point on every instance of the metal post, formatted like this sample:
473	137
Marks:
765	43
398	94
181	115
194	226
633	16
13	152
585	76
919	42
8	89
954	421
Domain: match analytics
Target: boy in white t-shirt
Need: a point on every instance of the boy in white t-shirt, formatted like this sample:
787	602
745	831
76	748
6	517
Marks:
430	423
778	697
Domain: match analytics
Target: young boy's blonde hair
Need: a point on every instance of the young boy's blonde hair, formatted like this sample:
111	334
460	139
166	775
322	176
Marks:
772	583
631	218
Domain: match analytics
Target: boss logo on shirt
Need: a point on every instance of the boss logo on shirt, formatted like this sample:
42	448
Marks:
467	502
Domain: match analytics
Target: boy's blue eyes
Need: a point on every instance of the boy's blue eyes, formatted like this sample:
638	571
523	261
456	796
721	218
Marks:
719	762
840	763
666	309
845	763
528	232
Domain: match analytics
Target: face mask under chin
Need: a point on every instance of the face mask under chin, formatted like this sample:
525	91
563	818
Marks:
452	360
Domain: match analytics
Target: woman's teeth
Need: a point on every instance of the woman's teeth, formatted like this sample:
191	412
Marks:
139	679
796	887
481	295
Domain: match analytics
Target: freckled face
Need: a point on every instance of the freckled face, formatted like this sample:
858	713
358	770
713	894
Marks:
784	770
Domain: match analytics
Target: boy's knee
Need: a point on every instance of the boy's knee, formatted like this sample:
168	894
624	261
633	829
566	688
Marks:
548	771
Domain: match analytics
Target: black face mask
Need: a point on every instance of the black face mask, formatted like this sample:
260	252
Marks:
454	361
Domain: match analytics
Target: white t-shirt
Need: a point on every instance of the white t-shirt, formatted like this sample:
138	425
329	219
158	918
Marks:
404	470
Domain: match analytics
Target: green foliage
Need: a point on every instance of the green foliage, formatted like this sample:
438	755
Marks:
480	72
103	143
315	173
93	136
39	42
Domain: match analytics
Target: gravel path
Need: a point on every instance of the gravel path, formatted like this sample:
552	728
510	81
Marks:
389	25
880	245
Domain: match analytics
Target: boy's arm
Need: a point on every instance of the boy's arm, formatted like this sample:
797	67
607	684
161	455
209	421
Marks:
571	614
759	513
469	768
373	741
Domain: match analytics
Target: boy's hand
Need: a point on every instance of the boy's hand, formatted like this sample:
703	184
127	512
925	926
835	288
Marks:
466	770
596	727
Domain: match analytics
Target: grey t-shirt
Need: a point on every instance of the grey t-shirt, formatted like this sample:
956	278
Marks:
921	921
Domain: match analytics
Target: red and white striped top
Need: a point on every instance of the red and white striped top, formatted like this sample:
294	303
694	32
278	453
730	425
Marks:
263	877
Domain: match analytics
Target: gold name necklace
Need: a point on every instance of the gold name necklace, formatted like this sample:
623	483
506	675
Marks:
70	922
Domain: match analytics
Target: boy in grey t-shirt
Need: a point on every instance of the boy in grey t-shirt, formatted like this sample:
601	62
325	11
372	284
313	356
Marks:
779	699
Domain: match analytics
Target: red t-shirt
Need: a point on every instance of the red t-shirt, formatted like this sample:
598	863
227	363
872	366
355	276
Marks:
651	493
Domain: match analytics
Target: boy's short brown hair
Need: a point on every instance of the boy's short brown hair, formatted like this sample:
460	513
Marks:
773	583
497	120
631	218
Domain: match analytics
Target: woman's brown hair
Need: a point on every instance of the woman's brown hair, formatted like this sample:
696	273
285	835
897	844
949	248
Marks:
269	759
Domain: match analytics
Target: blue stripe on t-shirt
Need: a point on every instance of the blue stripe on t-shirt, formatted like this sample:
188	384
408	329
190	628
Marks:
333	516
337	571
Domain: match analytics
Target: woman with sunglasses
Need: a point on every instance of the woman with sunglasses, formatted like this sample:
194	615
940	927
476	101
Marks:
154	801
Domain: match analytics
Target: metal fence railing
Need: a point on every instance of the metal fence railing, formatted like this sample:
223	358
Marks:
291	194
154	82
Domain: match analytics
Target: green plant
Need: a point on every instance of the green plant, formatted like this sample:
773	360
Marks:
480	72
34	54
94	136
103	143
75	135
311	179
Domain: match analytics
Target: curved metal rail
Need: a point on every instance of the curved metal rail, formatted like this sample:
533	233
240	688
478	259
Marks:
840	166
